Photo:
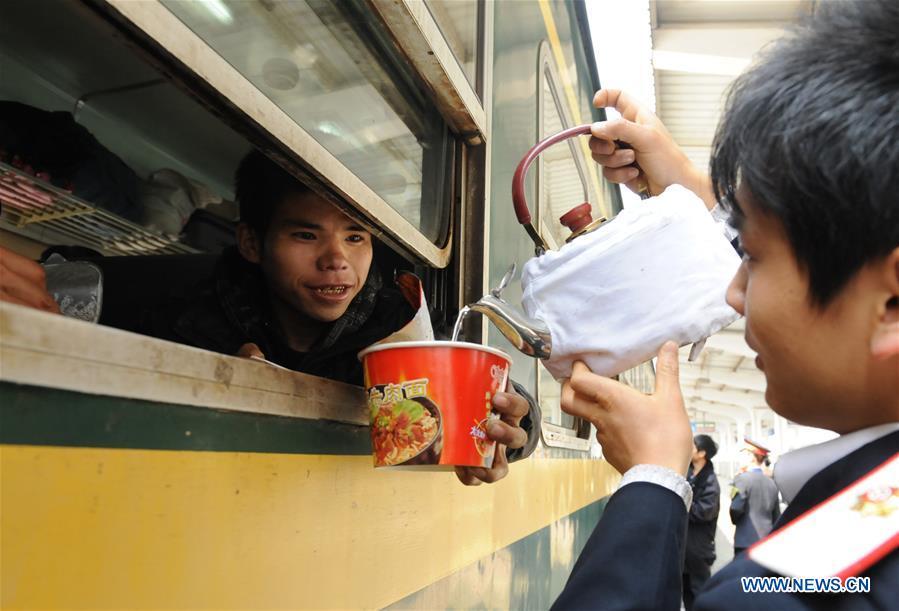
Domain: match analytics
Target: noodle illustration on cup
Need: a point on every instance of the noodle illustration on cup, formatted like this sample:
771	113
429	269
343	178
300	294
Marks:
430	402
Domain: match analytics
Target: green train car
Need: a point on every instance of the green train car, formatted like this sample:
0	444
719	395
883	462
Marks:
139	473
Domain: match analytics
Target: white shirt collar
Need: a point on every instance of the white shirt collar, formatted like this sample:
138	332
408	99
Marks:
794	469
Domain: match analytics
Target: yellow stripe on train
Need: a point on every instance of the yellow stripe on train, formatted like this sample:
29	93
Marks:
86	527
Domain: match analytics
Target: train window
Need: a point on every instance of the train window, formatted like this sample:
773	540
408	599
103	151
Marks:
459	22
642	377
561	184
325	66
562	180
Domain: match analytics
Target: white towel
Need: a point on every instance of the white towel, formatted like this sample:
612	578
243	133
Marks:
658	271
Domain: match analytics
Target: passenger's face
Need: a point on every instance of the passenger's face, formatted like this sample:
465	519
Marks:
315	258
817	362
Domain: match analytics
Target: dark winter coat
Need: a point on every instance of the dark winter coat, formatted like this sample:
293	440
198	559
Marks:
703	519
232	308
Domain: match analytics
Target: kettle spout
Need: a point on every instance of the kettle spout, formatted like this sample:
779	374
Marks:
531	336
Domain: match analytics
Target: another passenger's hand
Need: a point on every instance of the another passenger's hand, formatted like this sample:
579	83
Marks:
662	162
506	432
24	282
634	428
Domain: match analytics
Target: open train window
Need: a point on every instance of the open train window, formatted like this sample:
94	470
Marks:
108	119
561	185
324	66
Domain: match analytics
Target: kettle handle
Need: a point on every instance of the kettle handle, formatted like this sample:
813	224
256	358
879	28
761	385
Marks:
518	197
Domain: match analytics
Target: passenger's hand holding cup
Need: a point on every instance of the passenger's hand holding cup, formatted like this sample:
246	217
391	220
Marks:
506	432
632	427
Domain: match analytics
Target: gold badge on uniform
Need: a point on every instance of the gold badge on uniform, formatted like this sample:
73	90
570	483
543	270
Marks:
880	501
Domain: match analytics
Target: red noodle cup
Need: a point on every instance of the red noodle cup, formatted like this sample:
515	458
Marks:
430	402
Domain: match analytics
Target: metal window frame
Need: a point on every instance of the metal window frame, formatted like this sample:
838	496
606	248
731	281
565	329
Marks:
335	181
417	35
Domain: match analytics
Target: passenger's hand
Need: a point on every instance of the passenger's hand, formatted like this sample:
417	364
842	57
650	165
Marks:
24	282
634	428
250	351
506	432
662	162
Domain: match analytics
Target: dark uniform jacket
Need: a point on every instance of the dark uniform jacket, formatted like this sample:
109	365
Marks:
754	508
703	519
632	559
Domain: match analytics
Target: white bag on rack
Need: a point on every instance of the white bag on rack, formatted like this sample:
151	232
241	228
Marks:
656	272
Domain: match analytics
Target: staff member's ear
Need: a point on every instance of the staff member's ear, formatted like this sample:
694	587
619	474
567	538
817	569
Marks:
885	339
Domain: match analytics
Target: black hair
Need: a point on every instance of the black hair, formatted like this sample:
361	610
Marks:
812	132
707	445
260	186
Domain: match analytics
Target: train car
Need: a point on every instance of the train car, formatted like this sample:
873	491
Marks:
140	473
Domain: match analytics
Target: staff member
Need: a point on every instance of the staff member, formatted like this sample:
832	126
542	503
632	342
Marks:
805	161
756	504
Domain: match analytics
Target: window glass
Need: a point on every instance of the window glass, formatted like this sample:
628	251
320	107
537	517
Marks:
324	66
458	21
641	377
562	185
550	393
562	179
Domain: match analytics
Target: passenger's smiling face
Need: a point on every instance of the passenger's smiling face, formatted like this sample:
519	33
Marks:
314	257
818	362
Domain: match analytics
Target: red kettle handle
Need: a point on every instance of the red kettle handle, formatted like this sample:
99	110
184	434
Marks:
518	197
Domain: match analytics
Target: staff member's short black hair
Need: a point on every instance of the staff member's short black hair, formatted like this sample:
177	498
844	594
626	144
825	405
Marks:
813	133
706	444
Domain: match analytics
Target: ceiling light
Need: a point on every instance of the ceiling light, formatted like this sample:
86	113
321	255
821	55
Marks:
219	10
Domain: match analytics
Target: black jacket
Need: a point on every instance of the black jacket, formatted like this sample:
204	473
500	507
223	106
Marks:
232	308
703	519
632	559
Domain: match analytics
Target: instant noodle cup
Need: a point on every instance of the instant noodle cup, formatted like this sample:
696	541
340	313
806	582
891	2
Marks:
430	402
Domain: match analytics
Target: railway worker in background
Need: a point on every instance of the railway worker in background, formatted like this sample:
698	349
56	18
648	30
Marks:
755	505
806	160
301	290
703	517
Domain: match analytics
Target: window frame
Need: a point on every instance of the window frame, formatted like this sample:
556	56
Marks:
47	351
207	74
418	36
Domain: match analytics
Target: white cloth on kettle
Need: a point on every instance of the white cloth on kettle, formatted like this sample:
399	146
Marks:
658	271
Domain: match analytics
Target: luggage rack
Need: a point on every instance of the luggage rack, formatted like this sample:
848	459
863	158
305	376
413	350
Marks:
35	208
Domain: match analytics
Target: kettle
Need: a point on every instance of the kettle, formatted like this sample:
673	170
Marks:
532	336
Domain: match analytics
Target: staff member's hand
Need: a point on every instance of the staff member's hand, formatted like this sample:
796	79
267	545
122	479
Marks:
634	428
662	162
24	282
506	432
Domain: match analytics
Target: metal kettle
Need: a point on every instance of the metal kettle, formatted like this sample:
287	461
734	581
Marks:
529	335
532	336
